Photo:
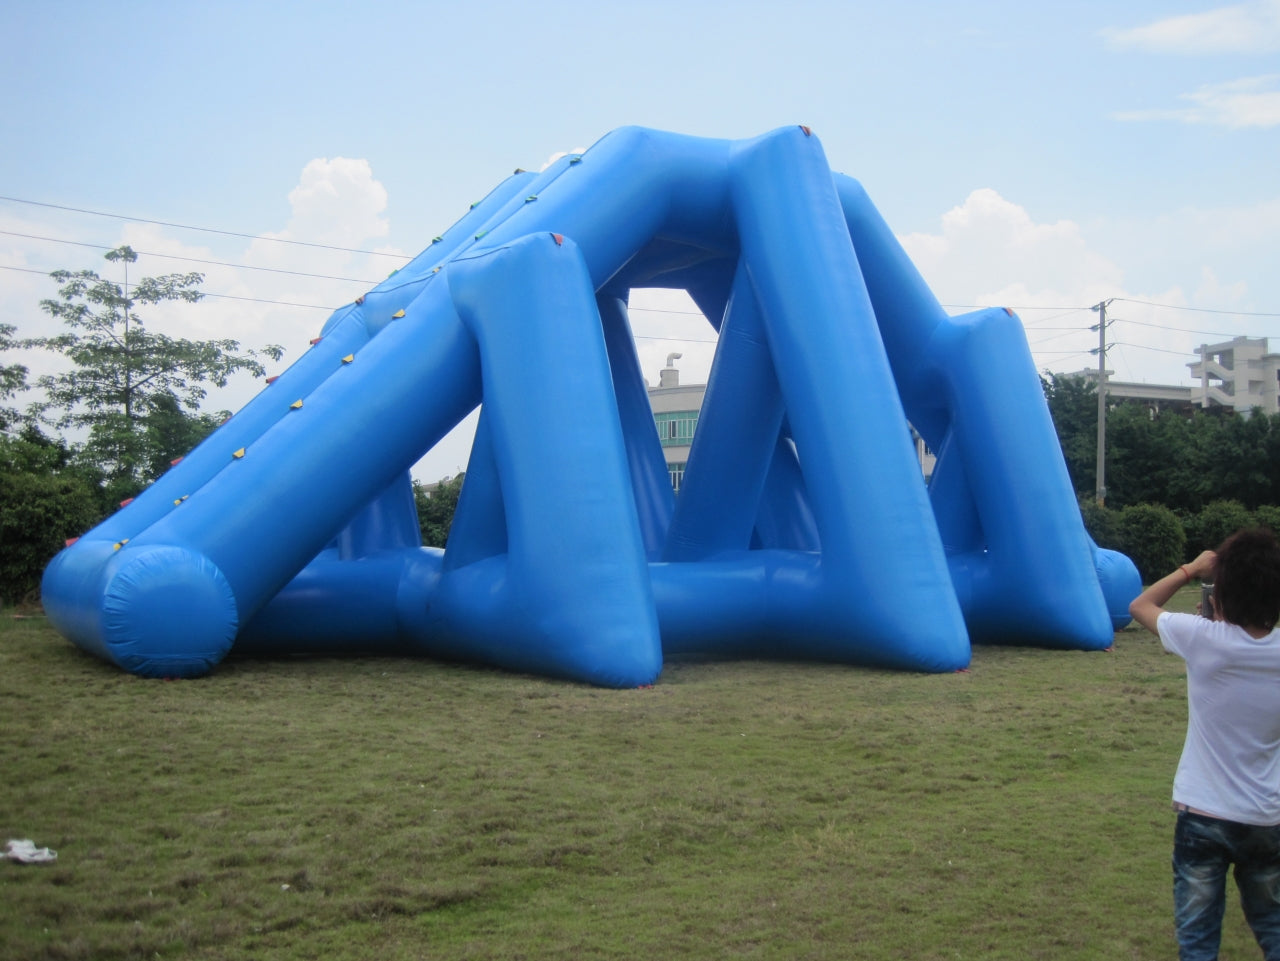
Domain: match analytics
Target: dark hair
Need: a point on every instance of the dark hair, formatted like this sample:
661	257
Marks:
1246	587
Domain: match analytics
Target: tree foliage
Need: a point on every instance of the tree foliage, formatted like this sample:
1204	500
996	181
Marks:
43	501
127	386
435	509
13	379
1153	538
1180	459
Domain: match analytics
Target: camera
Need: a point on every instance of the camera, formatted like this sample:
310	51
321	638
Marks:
1206	599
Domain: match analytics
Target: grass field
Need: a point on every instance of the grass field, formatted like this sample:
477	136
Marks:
404	809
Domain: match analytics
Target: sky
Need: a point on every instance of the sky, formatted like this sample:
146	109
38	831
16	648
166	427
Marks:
1043	157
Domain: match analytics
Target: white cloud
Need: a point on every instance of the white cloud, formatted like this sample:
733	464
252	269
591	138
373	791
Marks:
560	154
1240	28
1248	102
989	245
337	202
989	251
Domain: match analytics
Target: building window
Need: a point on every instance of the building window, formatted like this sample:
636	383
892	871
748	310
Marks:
675	429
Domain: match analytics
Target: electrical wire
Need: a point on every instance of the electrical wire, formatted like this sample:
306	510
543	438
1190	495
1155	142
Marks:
194	260
207	230
1064	310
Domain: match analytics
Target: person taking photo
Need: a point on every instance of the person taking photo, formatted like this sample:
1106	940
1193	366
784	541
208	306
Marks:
1227	787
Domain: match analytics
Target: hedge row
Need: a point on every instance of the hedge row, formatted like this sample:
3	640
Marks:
1158	540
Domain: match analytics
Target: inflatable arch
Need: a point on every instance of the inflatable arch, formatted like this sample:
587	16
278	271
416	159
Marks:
803	528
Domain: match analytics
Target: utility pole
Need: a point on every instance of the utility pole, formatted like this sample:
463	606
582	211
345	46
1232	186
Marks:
1101	351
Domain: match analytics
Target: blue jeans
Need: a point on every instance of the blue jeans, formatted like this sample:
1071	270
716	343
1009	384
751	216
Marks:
1203	849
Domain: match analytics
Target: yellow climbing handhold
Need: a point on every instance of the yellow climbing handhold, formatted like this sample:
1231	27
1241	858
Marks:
119	544
238	454
296	405
398	314
349	358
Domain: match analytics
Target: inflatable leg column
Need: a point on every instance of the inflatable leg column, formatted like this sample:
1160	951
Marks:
572	597
889	595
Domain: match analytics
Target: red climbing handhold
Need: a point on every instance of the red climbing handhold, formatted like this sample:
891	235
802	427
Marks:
175	462
807	131
316	340
126	502
70	540
558	238
272	379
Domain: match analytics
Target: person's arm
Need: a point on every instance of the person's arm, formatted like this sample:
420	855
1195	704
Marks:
1149	605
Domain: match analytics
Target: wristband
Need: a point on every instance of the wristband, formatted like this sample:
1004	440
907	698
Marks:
1186	573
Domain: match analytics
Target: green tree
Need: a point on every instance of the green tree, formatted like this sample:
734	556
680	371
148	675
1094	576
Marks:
1213	525
127	384
13	379
1073	405
1153	538
1238	459
435	509
44	499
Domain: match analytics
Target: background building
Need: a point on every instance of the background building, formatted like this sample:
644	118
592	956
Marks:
675	411
1239	374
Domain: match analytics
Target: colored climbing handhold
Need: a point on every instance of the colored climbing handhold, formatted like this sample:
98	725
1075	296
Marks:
531	198
120	543
296	405
70	540
316	340
175	462
575	160
481	234
273	378
349	358
807	131
398	314
474	205
558	238
126	502
179	500
360	300
238	454
436	240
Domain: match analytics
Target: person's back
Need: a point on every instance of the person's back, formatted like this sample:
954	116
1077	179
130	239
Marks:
1227	788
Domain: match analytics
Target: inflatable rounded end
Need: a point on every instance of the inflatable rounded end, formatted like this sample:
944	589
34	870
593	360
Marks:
168	612
1120	582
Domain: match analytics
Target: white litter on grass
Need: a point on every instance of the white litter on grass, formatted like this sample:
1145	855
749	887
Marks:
26	852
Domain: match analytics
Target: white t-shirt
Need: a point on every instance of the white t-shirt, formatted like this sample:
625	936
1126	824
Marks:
1230	764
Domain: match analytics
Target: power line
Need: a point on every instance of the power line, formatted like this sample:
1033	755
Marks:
1202	310
1183	330
193	260
1161	350
203	294
207	230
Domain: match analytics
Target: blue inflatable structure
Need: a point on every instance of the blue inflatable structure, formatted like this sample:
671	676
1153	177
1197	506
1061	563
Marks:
803	528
